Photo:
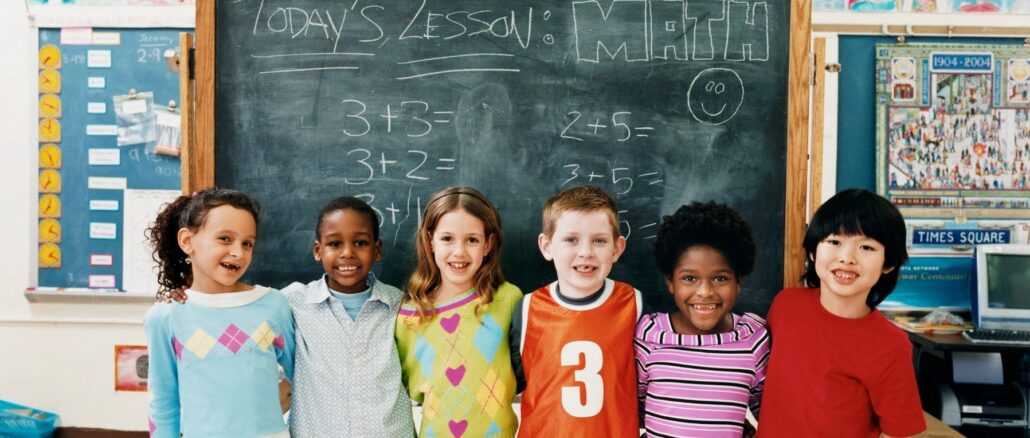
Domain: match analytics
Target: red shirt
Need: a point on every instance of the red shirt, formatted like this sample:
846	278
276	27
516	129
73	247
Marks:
833	376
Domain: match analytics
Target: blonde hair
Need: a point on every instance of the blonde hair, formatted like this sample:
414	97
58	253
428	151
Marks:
426	278
587	199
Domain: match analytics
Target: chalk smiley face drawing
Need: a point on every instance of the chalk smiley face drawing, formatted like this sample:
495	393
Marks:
715	95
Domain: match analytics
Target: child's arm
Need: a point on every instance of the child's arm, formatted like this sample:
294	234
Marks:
642	378
895	397
163	376
761	362
285	354
515	346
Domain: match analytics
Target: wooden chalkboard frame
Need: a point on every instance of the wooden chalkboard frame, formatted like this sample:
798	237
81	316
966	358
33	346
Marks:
199	168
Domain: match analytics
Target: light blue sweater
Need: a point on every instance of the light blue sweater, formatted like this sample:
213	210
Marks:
214	364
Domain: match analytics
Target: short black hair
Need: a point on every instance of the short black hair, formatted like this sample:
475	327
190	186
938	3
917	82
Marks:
710	224
348	203
860	212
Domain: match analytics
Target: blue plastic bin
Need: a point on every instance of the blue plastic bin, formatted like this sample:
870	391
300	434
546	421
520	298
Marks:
15	424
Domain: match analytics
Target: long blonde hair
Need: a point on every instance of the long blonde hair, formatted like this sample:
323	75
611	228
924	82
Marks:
426	278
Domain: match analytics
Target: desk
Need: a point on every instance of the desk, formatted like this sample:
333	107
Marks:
931	358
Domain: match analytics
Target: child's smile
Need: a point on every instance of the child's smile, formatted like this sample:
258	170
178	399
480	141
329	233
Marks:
220	250
848	267
705	289
459	245
583	249
347	248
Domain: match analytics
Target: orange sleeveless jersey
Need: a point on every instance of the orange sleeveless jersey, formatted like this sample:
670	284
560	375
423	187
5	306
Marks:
578	363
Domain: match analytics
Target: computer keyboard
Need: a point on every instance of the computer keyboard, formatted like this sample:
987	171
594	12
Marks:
995	336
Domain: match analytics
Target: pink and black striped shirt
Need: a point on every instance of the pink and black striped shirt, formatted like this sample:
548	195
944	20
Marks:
699	385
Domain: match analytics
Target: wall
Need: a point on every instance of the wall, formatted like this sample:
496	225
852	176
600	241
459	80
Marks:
57	357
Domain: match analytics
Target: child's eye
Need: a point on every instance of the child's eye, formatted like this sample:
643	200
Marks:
722	278
688	278
334	244
600	241
360	243
833	242
572	240
224	239
867	248
473	240
446	238
248	244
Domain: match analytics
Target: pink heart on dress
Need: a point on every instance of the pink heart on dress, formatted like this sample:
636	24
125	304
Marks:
455	374
458	427
450	324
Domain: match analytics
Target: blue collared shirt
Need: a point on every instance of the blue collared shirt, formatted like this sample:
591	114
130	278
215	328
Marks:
347	378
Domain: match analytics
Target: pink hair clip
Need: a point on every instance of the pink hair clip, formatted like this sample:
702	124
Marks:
194	195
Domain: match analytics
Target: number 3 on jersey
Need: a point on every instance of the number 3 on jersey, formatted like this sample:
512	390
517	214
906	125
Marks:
587	357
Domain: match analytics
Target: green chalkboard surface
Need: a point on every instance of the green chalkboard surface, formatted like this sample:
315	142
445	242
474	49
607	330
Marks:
658	102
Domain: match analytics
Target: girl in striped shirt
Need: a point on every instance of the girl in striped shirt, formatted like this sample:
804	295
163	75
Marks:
701	368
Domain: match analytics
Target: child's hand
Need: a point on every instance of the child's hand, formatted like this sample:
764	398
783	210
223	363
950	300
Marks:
285	395
178	295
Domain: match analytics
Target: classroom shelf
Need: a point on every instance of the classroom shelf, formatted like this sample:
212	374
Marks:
922	24
61	15
65	296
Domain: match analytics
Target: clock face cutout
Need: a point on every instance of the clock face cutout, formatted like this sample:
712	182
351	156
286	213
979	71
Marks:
49	81
50	156
49	231
49	206
49	56
50	106
49	181
49	256
49	130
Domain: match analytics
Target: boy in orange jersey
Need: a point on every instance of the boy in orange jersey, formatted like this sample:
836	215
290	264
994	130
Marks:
572	340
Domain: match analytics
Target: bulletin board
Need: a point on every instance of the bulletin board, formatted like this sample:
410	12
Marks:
104	116
953	129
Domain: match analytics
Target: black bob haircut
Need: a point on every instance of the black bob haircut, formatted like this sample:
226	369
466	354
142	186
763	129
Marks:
710	224
348	203
853	212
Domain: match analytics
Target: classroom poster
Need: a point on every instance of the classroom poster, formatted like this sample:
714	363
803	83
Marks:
953	129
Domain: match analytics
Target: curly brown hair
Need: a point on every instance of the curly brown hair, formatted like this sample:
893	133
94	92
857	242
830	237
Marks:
173	272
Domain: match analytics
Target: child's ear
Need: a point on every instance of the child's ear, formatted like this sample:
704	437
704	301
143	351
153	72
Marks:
489	245
668	282
620	246
544	242
377	251
315	250
185	238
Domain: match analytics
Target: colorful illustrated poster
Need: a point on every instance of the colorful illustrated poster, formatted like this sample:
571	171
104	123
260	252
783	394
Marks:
953	130
872	5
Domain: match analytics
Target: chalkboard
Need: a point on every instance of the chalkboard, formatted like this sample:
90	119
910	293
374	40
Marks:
659	102
122	59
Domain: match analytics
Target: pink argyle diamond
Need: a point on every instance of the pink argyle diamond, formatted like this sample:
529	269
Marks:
233	338
177	346
153	426
279	342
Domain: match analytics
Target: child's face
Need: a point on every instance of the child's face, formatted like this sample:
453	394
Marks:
347	249
459	245
705	289
220	249
849	266
583	250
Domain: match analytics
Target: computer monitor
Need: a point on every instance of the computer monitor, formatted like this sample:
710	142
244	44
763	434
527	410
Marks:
1002	287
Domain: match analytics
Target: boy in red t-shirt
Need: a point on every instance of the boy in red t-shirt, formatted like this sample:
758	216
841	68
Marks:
838	367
